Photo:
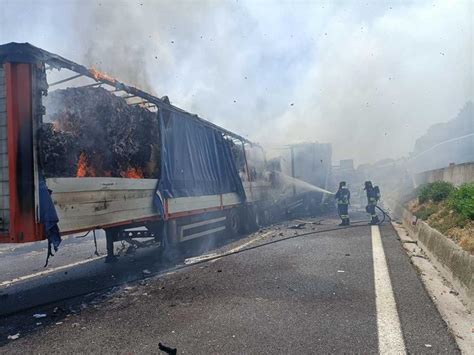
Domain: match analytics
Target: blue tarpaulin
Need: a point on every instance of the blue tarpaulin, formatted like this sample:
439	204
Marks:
48	215
196	160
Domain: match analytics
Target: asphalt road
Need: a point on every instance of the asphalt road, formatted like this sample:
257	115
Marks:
311	294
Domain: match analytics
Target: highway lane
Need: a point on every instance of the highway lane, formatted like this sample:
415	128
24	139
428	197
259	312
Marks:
311	294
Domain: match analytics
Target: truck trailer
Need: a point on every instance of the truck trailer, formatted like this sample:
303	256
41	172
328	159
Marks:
310	167
202	182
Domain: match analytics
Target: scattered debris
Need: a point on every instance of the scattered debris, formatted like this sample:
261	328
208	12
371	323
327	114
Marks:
167	349
297	226
419	256
40	315
13	337
199	258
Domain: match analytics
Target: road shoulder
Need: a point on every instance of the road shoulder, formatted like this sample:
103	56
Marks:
423	328
456	315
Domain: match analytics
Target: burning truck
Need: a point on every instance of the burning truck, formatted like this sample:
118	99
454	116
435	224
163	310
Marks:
89	152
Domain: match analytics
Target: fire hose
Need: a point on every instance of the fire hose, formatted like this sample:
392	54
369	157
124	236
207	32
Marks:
385	215
355	224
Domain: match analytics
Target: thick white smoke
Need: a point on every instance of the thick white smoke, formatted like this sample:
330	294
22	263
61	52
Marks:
367	77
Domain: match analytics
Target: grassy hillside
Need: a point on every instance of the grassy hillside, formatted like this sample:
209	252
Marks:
449	210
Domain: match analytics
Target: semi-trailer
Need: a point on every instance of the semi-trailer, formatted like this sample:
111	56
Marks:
204	179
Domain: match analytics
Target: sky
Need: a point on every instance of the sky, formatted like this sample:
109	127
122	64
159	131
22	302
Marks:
367	76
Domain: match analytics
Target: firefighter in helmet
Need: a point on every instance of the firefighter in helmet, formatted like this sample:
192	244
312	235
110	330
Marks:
343	197
373	196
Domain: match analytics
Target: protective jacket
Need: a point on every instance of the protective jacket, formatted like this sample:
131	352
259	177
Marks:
373	196
343	196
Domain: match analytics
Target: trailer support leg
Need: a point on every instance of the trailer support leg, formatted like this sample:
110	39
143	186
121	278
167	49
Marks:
110	239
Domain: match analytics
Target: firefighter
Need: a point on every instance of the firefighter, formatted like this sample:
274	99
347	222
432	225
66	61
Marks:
373	196
343	197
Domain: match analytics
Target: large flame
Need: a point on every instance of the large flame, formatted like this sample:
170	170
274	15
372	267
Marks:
133	173
83	168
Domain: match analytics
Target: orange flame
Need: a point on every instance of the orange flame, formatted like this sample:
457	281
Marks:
133	173
83	169
101	76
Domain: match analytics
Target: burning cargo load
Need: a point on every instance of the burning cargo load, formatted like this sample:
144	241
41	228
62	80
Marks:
90	132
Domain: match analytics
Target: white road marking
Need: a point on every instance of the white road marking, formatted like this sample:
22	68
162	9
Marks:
47	271
388	324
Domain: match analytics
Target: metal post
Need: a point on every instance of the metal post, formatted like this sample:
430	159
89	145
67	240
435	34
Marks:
21	159
110	239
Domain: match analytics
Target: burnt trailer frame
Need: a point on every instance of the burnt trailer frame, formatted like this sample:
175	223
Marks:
23	71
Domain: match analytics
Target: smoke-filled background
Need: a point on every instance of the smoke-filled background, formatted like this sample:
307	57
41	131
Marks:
369	77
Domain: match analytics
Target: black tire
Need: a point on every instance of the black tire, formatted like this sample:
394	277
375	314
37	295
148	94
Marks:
259	218
262	217
170	249
310	205
234	222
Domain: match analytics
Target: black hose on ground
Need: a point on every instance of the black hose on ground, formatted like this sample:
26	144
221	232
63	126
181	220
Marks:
354	224
385	215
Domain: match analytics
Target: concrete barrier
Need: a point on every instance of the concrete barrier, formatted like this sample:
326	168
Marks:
455	174
454	263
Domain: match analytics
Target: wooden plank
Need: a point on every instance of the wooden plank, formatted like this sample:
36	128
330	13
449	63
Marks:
99	184
86	203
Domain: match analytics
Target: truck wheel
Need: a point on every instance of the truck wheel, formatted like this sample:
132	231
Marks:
310	206
259	218
267	215
170	249
233	222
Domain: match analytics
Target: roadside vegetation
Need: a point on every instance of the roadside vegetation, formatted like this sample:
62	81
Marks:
448	209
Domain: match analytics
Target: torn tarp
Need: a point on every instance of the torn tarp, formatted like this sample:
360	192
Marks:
48	216
196	160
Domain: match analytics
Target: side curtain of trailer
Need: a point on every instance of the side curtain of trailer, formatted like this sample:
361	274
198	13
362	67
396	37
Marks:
195	160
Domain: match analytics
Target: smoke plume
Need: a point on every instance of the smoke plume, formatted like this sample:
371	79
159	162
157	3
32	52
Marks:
367	77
